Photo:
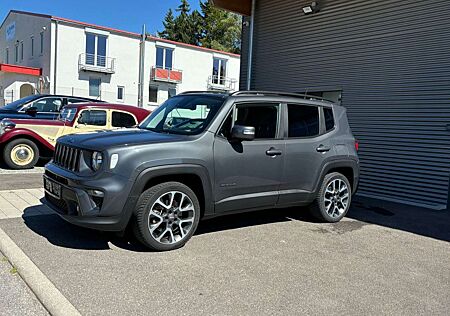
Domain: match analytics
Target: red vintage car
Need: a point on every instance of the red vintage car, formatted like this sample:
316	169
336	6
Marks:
24	141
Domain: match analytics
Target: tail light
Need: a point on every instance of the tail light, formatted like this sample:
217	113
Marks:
356	145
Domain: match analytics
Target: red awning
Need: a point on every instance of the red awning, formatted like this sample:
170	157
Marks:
21	69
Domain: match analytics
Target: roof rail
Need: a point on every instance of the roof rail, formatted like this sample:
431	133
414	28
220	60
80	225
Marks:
203	92
281	94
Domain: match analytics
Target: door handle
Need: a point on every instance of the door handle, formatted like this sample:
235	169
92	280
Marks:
274	152
323	149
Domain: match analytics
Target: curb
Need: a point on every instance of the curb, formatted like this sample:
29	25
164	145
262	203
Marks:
52	299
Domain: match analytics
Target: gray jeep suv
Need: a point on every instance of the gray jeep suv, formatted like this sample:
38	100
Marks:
203	154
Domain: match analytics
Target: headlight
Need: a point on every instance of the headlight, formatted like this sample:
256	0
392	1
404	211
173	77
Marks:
6	125
97	160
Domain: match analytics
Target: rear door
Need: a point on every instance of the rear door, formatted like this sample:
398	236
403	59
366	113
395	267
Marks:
247	173
308	146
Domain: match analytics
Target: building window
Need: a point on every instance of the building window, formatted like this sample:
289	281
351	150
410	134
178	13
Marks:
32	46
120	93
16	55
333	96
41	38
7	55
172	92
153	94
164	58
96	49
303	120
21	51
219	71
94	87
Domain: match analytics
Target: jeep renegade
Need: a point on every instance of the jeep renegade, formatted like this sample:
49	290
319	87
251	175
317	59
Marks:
204	154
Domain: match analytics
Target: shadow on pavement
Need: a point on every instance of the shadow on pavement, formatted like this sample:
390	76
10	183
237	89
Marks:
60	233
416	220
434	224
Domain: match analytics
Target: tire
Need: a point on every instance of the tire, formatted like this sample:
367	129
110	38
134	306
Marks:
331	207
21	154
167	223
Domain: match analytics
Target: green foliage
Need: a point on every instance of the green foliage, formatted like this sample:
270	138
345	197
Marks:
212	28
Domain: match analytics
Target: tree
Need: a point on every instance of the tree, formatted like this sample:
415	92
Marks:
169	26
221	29
212	28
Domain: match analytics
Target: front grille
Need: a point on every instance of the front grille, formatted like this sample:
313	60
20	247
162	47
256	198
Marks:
67	157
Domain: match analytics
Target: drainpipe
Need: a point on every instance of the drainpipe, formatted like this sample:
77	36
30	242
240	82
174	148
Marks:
56	57
141	69
250	47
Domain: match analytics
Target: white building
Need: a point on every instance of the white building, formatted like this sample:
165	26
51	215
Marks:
47	54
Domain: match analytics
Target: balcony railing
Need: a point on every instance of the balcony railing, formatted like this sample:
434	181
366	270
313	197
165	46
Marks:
167	75
96	63
221	83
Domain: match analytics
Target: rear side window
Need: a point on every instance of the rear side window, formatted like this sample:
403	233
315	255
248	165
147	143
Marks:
329	118
120	119
303	120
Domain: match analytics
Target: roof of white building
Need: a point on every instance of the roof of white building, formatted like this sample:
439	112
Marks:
117	31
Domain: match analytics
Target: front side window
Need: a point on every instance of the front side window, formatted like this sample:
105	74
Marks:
120	119
187	115
92	117
263	117
67	114
164	58
47	105
94	87
303	120
219	71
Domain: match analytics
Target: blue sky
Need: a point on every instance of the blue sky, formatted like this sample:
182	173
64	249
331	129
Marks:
125	15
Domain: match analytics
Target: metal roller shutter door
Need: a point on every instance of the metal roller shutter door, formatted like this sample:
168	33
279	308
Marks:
391	59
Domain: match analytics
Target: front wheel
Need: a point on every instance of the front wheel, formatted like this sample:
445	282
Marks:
21	154
333	199
167	216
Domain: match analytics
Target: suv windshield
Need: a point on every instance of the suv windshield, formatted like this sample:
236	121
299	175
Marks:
67	114
184	114
16	104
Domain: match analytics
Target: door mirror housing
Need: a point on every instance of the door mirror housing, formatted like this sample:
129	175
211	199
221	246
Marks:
32	111
240	132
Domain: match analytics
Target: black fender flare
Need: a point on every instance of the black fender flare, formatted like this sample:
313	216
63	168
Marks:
334	164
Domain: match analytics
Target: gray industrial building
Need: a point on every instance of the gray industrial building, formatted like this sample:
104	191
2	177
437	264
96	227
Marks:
386	61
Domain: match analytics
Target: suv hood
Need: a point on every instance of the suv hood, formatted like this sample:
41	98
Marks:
102	140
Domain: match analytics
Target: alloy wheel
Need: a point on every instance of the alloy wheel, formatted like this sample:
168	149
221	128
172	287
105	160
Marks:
171	217
336	199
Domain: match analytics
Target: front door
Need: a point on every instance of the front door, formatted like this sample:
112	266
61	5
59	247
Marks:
248	173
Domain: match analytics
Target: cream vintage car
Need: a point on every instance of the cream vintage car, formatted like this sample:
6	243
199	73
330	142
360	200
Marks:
24	141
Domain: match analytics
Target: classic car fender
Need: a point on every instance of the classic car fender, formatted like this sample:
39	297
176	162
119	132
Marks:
24	133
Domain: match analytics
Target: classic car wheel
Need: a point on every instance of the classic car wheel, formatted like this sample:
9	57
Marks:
21	154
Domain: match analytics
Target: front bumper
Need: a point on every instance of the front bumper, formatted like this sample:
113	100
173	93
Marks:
80	206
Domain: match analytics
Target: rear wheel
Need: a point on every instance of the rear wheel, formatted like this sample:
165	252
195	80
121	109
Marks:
333	199
167	216
21	154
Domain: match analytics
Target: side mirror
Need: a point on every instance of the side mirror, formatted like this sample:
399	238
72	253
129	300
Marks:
240	132
32	111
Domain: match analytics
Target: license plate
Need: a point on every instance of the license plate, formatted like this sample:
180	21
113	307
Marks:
52	188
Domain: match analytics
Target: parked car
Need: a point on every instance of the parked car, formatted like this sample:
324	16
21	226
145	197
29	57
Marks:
24	141
40	106
201	155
